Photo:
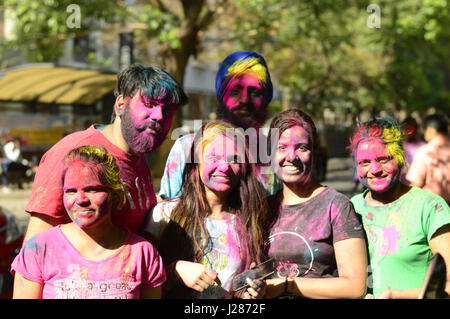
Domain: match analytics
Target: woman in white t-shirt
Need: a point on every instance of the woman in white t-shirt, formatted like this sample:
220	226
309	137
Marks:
216	229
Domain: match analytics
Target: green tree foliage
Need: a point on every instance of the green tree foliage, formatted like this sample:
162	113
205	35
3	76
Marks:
43	26
327	54
315	48
173	29
322	53
415	36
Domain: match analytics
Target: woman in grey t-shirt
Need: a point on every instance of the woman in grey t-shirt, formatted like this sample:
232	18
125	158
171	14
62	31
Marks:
315	237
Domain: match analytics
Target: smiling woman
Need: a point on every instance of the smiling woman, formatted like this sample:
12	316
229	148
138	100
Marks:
85	198
215	230
89	257
406	224
315	238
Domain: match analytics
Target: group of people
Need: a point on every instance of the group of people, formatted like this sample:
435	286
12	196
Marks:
230	198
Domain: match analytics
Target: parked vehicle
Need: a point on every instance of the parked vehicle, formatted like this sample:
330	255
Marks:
11	240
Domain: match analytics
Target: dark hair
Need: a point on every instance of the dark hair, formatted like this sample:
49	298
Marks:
409	121
290	118
153	82
438	122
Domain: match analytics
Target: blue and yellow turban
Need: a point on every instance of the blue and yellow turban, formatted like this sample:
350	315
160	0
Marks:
238	63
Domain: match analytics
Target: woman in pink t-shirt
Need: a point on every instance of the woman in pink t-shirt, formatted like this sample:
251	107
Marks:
89	257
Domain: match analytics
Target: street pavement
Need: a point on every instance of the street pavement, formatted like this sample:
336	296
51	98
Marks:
339	176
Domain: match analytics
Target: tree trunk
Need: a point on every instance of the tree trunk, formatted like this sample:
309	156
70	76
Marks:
175	61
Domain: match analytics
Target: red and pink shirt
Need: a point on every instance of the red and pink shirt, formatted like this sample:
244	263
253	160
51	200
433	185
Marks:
46	196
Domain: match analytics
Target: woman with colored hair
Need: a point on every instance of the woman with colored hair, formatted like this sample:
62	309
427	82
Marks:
315	238
405	225
216	229
89	258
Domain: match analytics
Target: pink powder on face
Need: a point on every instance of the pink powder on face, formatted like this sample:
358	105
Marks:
217	168
293	156
244	89
85	198
145	123
159	112
375	166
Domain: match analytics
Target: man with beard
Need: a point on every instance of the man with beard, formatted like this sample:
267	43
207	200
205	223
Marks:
146	100
243	90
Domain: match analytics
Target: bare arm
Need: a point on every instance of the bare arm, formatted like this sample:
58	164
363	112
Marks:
417	171
38	223
439	243
26	289
193	275
351	260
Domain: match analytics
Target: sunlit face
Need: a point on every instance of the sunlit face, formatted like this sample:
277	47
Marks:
244	101
376	168
85	198
145	123
429	133
219	166
293	159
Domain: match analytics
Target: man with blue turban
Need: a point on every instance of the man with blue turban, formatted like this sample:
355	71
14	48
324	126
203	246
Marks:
243	90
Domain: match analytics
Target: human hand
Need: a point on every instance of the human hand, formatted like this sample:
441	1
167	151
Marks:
256	287
387	294
195	275
274	287
255	290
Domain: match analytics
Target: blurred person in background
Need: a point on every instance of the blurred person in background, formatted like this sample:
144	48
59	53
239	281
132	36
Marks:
12	160
411	143
430	168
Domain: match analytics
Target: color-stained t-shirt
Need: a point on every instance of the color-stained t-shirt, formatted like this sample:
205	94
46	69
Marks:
302	237
51	259
172	180
47	194
222	254
398	237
